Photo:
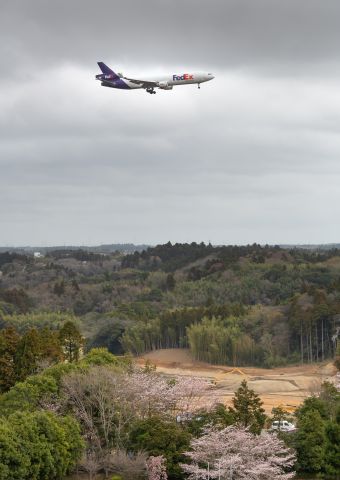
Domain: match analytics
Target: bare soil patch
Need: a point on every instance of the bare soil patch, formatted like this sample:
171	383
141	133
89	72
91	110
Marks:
286	386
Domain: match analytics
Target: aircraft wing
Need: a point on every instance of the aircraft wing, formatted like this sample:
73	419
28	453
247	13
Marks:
143	83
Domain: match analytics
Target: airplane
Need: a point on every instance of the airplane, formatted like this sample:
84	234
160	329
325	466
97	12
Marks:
109	78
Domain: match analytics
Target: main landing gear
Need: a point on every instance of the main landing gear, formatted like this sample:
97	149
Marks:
150	90
198	85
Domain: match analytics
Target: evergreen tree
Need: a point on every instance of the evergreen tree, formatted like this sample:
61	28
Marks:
71	341
9	340
332	448
159	437
59	288
247	409
310	442
28	353
170	282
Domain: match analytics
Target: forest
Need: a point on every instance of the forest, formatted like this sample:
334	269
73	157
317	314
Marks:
261	305
73	400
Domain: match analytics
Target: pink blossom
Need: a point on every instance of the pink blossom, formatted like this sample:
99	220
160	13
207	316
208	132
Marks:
156	468
236	454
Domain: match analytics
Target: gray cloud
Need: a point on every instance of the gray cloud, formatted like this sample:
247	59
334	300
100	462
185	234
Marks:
252	156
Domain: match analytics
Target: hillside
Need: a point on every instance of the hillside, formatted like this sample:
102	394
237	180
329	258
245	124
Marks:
245	305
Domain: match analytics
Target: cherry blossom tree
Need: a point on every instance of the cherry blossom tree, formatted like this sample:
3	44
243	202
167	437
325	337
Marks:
156	468
191	394
154	394
236	454
106	401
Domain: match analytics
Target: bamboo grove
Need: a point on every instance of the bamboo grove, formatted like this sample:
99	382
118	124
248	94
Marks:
302	331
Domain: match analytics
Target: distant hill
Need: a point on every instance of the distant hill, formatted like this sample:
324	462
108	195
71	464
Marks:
307	246
110	248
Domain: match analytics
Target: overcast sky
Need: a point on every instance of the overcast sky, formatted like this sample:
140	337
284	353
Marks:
253	156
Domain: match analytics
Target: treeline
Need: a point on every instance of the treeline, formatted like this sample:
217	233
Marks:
170	257
39	320
24	354
79	254
167	257
313	255
169	330
7	257
302	331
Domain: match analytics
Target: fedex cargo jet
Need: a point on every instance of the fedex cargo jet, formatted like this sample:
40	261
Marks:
117	80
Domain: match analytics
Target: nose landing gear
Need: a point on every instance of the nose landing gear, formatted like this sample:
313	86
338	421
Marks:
198	85
150	90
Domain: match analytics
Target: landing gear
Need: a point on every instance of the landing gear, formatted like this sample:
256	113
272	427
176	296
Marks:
150	90
198	85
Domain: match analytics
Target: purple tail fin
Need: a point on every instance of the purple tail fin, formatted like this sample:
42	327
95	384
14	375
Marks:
107	71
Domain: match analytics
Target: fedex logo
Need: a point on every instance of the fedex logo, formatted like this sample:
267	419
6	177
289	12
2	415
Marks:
185	76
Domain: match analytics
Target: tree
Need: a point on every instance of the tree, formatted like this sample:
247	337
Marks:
71	340
120	408
51	349
170	282
310	442
156	468
312	404
126	465
218	416
28	354
160	437
59	288
236	454
14	462
332	448
337	356
90	463
9	340
247	409
330	396
38	445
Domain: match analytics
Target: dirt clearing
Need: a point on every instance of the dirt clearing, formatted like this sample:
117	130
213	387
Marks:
286	386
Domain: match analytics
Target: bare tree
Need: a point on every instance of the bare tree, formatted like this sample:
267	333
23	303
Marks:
130	467
91	464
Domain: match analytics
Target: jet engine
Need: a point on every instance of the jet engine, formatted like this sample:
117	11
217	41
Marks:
165	86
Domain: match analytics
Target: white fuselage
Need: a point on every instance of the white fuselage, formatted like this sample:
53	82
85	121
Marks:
175	79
